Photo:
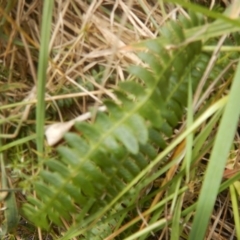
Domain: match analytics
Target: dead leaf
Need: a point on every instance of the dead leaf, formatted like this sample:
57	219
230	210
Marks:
55	132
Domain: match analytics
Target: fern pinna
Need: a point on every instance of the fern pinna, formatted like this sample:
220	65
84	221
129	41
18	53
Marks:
110	152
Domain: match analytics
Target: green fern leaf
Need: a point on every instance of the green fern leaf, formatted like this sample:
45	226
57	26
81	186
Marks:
115	148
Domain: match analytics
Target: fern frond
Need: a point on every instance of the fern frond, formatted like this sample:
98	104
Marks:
111	151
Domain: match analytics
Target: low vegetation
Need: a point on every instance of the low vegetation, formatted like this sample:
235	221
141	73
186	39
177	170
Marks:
119	119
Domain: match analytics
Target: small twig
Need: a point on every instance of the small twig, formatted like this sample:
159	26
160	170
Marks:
208	70
25	114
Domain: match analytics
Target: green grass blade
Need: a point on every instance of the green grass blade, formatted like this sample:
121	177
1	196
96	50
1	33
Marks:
17	142
217	161
205	133
189	139
232	9
148	229
42	72
176	227
11	212
234	199
224	24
